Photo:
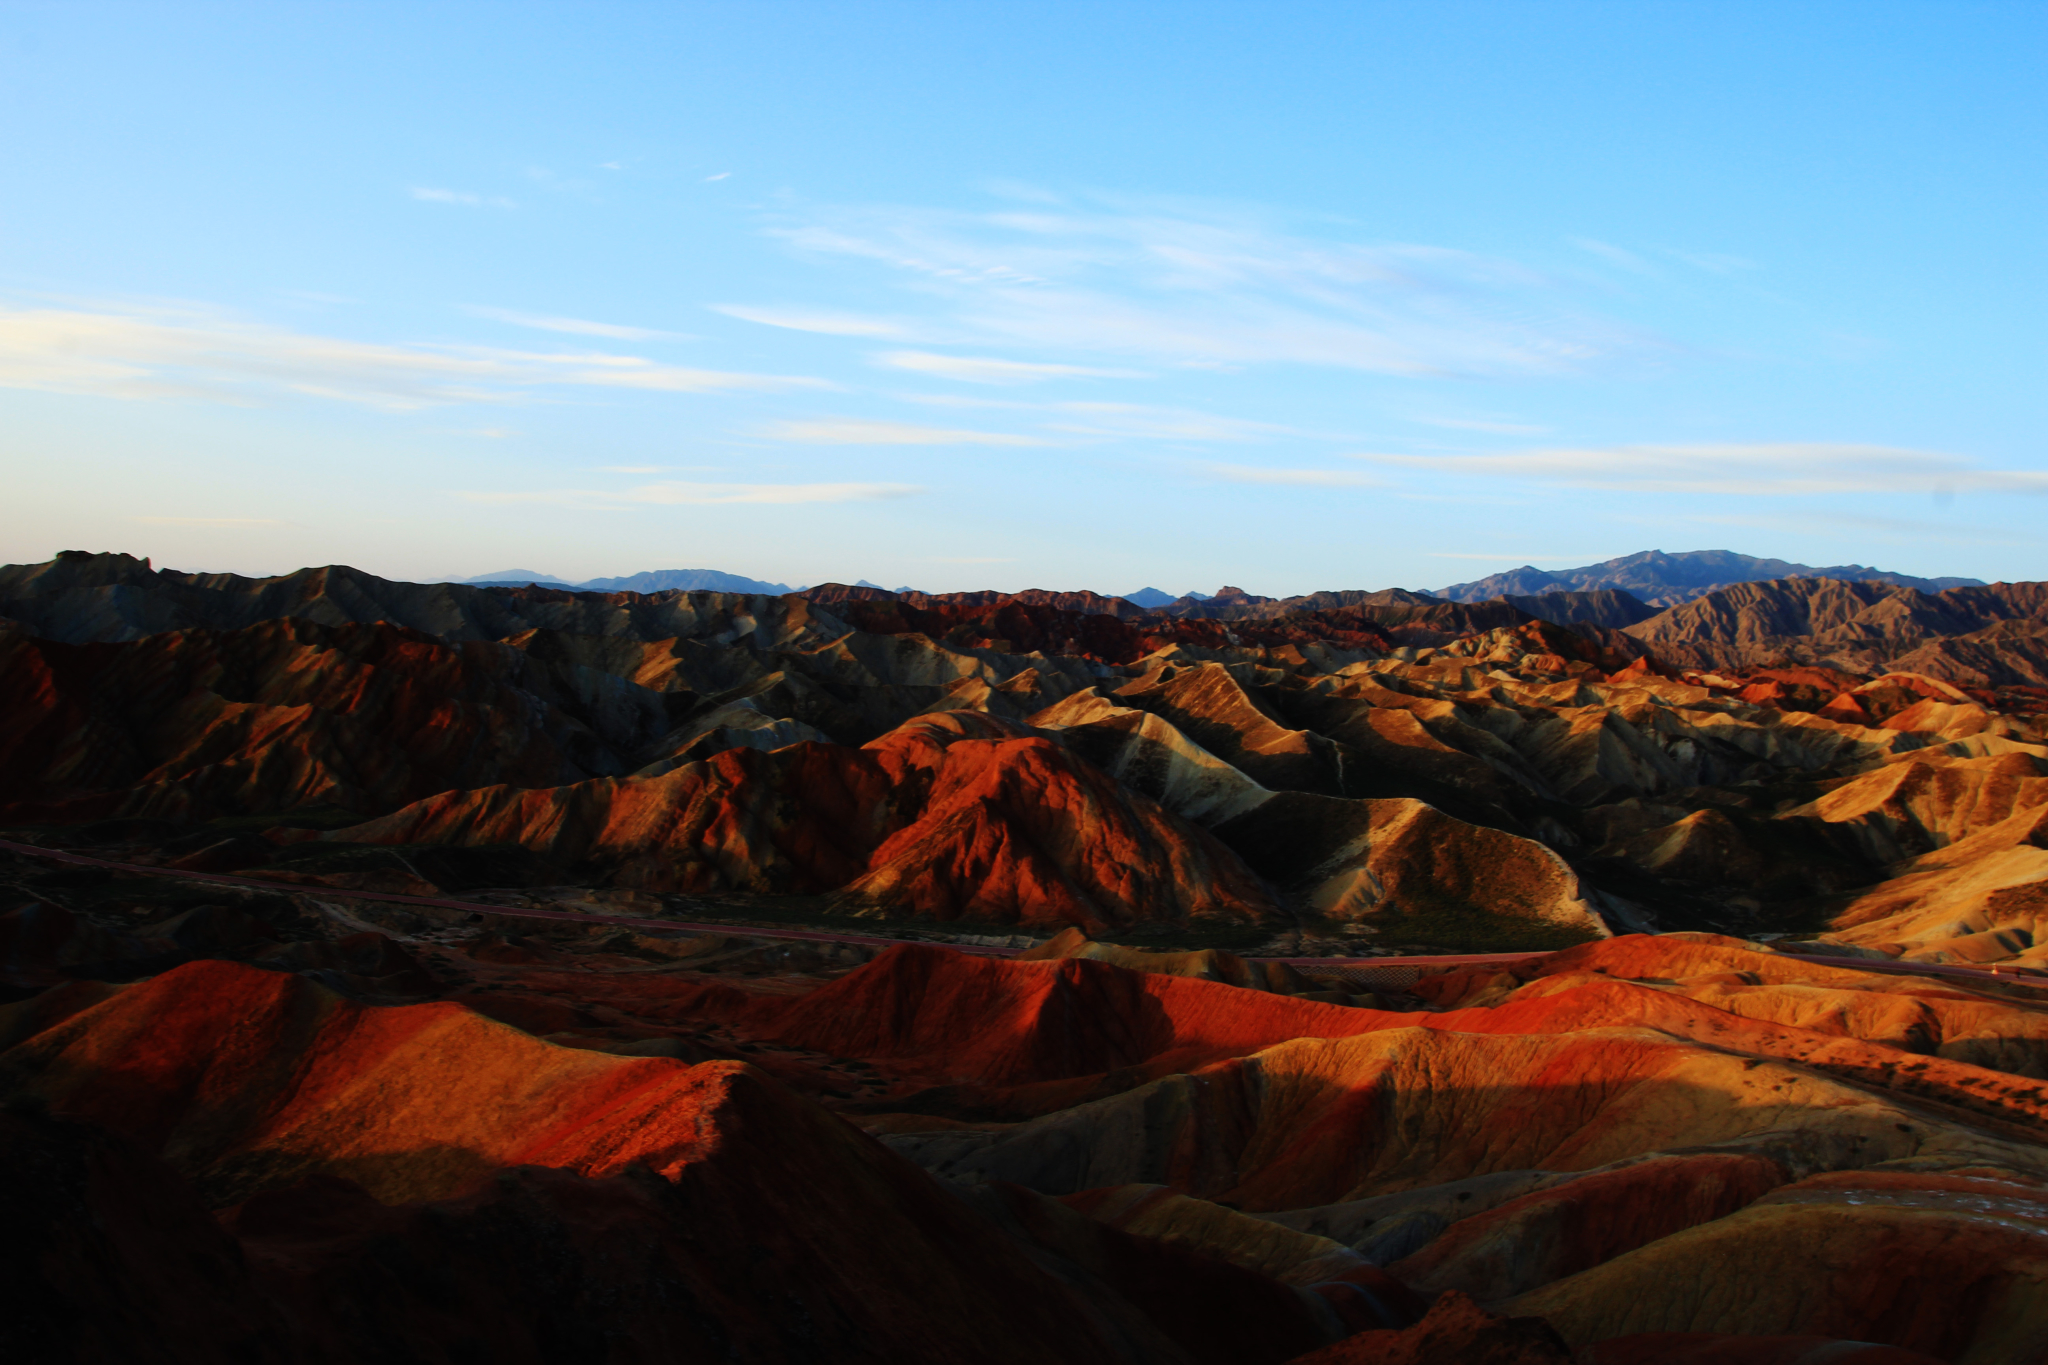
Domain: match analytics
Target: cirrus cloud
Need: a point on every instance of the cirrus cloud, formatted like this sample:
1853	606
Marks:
1300	478
1182	284
574	326
862	431
814	320
140	353
985	370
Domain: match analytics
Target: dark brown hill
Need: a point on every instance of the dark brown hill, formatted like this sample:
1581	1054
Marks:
1410	618
290	713
1420	619
1083	603
1609	607
1862	627
1032	622
80	597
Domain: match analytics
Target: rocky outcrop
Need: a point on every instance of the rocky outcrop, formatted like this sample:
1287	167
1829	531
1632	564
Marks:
1522	780
289	713
1410	870
957	815
1609	607
1862	627
79	598
1207	964
1834	1255
286	1123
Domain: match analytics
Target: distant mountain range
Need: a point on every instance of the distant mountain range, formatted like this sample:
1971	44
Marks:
1652	578
1666	580
653	580
713	580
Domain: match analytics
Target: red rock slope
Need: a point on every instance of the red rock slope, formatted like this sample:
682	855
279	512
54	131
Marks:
422	1172
953	815
1613	1113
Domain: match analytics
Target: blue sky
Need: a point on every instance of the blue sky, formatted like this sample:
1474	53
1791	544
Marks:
1289	296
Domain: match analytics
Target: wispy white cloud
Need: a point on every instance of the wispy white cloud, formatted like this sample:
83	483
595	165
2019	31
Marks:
1174	284
861	431
574	326
720	176
815	320
1760	470
984	370
462	197
1615	255
223	523
698	494
1116	421
1157	423
139	353
1477	424
1303	478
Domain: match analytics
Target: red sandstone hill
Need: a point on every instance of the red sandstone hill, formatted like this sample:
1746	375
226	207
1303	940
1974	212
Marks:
956	815
544	1193
312	1127
1212	1174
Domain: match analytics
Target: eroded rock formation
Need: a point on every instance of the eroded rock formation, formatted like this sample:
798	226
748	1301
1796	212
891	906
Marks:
1722	1105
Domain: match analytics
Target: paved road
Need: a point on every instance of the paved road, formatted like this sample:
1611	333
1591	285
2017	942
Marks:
1390	972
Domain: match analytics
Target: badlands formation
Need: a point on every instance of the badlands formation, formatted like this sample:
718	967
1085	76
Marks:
362	1026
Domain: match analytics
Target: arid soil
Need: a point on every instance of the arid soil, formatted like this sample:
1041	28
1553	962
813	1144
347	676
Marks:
1719	1108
